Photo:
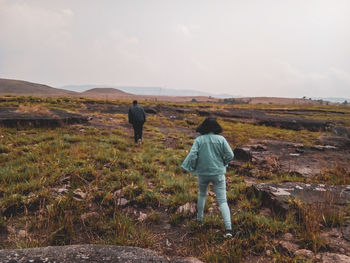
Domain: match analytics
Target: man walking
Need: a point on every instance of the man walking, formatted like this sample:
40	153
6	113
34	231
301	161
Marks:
137	118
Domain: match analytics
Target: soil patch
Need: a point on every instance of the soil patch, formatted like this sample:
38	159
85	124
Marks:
15	117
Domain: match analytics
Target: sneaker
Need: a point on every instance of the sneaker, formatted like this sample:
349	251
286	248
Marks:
228	234
139	141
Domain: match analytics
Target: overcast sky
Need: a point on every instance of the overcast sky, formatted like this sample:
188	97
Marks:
285	48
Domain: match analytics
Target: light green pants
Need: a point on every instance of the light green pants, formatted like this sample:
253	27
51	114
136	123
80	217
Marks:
219	183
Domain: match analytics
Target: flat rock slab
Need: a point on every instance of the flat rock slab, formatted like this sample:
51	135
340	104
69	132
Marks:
10	118
262	117
276	196
84	253
293	158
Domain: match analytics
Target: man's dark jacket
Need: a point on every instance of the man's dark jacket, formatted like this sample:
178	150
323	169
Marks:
136	115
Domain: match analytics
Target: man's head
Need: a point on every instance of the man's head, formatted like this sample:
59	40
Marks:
134	102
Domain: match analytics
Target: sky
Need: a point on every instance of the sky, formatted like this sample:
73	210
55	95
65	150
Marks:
289	48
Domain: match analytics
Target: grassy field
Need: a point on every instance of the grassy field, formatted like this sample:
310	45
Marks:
64	185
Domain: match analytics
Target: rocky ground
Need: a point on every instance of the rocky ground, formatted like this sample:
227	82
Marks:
87	253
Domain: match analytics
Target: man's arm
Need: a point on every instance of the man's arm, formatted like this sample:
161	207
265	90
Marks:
144	114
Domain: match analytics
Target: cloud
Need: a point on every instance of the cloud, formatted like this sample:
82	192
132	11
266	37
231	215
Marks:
68	12
340	75
242	52
24	25
185	30
313	83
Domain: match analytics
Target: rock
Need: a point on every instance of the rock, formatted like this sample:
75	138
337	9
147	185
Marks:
346	232
276	196
190	122
211	193
333	257
79	195
296	124
122	201
288	247
90	216
288	237
150	110
258	147
22	233
186	260
338	141
304	253
188	208
340	131
323	147
62	190
242	154
86	253
335	241
167	226
250	181
118	193
265	212
142	217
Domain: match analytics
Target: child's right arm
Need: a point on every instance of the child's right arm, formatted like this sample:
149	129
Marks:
190	163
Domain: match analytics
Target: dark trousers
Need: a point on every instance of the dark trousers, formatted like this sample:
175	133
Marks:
137	130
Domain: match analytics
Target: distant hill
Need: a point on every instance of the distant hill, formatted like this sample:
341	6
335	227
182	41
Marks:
153	91
281	100
106	91
20	87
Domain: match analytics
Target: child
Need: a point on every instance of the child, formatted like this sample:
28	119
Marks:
208	159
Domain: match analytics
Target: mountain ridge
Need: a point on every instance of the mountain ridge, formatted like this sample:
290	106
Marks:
22	87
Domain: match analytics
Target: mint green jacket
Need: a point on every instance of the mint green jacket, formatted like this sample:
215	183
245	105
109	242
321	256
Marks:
209	155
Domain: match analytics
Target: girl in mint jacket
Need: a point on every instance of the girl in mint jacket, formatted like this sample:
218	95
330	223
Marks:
208	158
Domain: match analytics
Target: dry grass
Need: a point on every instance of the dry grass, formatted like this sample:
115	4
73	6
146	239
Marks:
34	109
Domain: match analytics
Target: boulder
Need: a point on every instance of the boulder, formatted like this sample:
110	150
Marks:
243	154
